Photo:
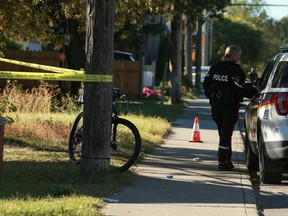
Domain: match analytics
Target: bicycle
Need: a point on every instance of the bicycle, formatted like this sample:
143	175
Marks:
125	137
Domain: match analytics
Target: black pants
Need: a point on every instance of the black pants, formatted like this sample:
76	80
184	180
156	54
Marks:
225	118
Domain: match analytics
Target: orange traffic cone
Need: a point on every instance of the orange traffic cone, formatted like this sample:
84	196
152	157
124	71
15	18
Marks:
196	131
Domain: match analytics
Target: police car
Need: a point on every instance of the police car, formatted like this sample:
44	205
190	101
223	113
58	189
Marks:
266	122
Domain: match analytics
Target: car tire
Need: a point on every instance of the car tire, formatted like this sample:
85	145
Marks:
270	171
252	160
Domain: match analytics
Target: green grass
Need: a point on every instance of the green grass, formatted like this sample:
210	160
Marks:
37	177
85	205
151	108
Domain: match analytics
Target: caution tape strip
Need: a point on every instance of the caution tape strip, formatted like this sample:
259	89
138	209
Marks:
42	67
63	74
56	77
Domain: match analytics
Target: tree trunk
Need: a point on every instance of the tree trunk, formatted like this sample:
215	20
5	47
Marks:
198	54
98	95
74	51
188	50
176	59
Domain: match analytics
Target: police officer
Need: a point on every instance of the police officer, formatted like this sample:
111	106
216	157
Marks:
223	85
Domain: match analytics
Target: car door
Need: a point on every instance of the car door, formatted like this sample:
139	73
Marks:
252	110
277	123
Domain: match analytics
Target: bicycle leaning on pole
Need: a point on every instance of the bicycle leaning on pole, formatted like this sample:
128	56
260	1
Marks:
125	137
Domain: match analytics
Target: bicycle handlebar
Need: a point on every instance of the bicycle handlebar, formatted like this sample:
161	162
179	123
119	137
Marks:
117	93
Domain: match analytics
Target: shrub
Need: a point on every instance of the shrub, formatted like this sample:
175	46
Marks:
45	98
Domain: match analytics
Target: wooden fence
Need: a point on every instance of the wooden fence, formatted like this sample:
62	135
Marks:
126	75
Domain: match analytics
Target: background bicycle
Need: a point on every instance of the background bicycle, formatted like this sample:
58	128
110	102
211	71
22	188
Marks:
125	137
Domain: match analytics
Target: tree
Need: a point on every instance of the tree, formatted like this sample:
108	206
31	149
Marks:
98	96
274	34
99	46
188	48
55	21
50	21
281	28
173	10
176	58
227	32
257	35
47	21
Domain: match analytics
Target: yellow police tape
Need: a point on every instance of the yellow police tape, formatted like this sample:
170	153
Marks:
56	77
42	67
63	74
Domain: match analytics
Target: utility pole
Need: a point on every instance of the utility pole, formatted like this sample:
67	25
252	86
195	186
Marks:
201	21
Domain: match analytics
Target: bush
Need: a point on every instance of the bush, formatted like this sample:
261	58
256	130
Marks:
45	98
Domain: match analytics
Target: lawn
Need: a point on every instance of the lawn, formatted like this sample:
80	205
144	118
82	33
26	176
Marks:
37	177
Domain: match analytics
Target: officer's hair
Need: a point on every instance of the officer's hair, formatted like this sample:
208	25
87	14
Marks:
231	49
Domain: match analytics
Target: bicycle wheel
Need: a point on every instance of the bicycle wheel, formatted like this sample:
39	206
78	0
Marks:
125	144
75	139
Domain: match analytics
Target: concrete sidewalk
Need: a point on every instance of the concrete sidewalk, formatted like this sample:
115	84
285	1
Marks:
181	177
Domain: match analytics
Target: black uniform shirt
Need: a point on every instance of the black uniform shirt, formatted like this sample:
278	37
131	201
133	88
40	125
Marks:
224	83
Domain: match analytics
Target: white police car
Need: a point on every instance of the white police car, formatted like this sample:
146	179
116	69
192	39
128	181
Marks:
266	121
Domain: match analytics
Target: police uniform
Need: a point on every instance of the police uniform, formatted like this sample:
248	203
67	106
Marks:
223	85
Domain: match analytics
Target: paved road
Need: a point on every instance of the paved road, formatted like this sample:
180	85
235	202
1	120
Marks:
271	200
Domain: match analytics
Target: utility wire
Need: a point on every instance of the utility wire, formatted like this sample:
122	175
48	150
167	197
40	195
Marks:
259	5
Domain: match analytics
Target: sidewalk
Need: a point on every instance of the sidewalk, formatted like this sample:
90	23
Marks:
181	177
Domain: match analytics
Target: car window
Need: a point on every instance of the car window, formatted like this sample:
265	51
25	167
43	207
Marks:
265	77
280	79
266	74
